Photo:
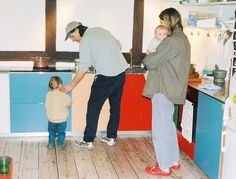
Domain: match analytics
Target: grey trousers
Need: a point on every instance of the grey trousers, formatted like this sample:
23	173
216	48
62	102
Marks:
164	131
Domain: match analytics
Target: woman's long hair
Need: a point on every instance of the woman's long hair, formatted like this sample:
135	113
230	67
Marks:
172	18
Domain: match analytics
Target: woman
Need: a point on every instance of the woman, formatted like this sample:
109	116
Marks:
166	85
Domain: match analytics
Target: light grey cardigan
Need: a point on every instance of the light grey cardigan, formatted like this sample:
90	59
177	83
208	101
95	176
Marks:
169	68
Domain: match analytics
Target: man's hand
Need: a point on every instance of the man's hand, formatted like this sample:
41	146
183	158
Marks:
67	88
78	77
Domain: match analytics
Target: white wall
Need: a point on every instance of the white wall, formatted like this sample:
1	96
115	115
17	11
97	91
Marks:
205	44
113	15
22	25
207	47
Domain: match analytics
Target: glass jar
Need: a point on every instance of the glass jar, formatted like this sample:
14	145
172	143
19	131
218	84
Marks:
76	64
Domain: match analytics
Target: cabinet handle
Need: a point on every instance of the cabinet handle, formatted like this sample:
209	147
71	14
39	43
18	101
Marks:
41	103
223	148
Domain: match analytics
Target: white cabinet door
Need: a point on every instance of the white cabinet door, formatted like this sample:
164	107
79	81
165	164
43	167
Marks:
4	103
230	154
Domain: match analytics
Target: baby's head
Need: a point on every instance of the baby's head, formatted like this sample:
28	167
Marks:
161	32
55	82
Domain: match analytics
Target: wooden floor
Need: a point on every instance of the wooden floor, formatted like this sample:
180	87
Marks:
126	160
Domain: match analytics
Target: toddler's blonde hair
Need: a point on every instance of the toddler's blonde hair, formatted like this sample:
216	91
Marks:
55	82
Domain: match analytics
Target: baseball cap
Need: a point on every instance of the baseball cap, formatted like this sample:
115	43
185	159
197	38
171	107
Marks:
71	26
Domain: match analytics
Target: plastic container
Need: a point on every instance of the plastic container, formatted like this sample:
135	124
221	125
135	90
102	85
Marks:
4	164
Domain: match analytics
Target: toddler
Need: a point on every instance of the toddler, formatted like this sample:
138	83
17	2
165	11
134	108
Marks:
161	32
57	104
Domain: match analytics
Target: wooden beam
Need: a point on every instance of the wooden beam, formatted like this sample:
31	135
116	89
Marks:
50	41
137	42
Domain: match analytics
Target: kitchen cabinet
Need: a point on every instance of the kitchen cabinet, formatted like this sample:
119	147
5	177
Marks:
186	146
80	97
228	162
27	103
222	11
208	135
136	110
219	8
4	103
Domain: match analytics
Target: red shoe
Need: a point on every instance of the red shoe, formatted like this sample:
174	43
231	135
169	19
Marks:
175	167
156	171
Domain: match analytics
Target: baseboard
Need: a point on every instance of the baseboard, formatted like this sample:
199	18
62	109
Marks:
77	134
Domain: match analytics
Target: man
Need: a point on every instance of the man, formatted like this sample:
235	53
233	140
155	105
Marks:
101	50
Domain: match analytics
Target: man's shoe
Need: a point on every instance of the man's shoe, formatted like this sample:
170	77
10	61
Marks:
109	141
82	143
175	167
156	171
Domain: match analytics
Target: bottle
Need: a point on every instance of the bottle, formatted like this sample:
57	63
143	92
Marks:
192	19
76	64
207	68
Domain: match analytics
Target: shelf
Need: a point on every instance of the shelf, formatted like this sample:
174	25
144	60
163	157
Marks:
203	28
209	3
210	28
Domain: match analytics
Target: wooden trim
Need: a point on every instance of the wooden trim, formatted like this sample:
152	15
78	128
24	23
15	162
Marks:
50	39
19	55
70	56
138	32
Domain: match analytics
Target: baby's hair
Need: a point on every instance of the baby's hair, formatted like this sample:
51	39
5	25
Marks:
55	82
162	27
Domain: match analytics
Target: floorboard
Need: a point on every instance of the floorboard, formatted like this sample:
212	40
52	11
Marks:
47	162
29	160
84	162
126	160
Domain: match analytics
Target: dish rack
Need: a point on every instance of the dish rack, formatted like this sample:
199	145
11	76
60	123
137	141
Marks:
233	66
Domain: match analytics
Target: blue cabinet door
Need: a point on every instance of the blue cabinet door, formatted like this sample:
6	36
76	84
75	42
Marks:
208	135
28	118
27	101
32	87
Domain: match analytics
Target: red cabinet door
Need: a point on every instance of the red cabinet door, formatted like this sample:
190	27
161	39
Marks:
136	110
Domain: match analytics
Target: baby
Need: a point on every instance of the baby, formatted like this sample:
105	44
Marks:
161	32
57	104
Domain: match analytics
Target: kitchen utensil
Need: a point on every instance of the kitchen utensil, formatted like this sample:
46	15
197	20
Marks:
219	75
4	164
40	62
192	69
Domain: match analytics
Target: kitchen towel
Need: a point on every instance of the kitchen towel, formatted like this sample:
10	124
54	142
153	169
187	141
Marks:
210	87
65	66
187	121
